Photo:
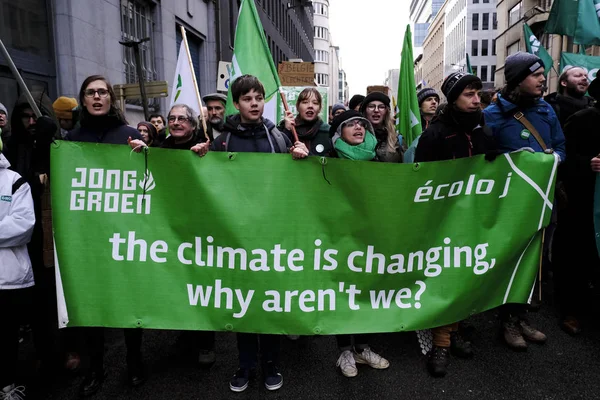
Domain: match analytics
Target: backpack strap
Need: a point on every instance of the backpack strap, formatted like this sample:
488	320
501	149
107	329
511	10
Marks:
18	183
278	136
519	116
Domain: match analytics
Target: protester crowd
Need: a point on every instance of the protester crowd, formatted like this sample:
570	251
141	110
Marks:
469	123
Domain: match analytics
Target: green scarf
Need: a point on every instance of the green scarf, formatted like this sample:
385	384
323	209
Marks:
360	152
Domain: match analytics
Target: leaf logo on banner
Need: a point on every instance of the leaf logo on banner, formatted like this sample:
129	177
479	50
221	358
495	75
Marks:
535	44
147	183
179	86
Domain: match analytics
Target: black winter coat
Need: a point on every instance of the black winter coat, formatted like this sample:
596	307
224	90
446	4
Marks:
444	139
105	129
260	138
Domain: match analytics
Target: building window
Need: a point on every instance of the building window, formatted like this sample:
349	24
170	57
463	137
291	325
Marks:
514	14
513	48
493	47
322	79
493	73
494	21
484	47
137	24
475	26
474	47
485	22
475	1
486	1
484	73
322	56
474	68
321	33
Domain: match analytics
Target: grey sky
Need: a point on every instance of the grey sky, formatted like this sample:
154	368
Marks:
369	35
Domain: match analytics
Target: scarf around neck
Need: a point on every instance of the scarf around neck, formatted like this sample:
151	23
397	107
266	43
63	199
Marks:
307	130
360	152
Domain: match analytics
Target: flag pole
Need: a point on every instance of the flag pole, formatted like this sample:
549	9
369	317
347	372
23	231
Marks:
287	108
189	56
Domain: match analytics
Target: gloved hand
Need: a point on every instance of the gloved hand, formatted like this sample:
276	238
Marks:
529	149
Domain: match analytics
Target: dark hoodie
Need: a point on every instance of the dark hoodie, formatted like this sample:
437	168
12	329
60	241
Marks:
263	137
29	155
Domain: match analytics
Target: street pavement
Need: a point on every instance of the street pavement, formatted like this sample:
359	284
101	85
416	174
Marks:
563	368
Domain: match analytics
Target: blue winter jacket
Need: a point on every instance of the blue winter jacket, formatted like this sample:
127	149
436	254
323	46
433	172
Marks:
509	134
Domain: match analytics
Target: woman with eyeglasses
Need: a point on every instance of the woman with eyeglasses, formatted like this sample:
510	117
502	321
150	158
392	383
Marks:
353	140
376	108
103	122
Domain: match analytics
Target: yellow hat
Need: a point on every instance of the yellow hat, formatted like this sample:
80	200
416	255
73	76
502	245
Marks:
63	107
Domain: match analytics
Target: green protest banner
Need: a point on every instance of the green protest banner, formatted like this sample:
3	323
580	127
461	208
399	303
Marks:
291	95
262	243
590	63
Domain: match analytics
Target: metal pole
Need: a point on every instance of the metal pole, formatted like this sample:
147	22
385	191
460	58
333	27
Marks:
138	62
20	80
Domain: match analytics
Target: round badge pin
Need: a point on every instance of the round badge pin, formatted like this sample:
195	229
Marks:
525	134
320	148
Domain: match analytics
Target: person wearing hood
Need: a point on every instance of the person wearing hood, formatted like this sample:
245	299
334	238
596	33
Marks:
4	127
249	131
376	108
148	132
336	110
103	122
520	102
575	256
17	220
311	130
353	140
28	151
458	132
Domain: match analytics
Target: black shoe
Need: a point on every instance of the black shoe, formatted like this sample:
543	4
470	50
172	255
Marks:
92	383
273	379
460	347
438	361
240	380
135	370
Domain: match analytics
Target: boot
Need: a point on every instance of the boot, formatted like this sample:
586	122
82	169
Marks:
512	335
459	347
530	333
135	370
437	363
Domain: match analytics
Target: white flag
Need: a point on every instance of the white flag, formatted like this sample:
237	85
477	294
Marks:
183	83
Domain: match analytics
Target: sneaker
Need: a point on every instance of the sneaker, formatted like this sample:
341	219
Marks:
207	358
372	359
12	392
530	333
92	382
240	380
459	347
347	364
512	336
437	362
273	379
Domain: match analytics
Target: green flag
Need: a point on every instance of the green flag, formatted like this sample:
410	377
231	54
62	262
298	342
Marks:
469	68
251	54
577	18
409	125
535	47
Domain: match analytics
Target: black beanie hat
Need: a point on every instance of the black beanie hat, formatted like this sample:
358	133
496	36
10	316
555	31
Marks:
375	96
519	66
425	93
355	101
455	83
343	117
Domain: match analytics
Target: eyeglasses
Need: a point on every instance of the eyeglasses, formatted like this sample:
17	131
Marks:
354	123
178	118
92	92
27	117
380	107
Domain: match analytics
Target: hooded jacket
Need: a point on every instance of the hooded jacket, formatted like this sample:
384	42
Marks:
263	137
17	220
446	139
509	134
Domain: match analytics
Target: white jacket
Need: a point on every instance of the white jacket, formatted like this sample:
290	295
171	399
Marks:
16	225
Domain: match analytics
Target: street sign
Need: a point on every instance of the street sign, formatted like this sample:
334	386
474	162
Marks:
223	76
132	90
